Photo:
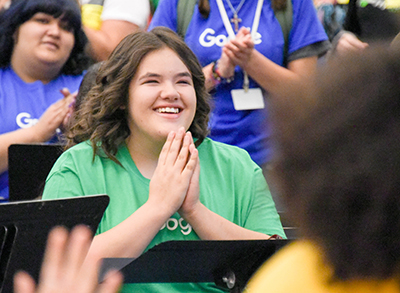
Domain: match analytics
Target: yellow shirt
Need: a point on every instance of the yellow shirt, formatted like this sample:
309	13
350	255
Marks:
299	268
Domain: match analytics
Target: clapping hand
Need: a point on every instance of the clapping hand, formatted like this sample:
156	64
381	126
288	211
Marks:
54	117
240	49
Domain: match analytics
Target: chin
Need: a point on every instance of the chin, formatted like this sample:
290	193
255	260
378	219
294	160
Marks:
163	134
54	61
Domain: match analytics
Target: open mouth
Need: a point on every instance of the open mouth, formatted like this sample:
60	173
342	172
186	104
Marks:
168	110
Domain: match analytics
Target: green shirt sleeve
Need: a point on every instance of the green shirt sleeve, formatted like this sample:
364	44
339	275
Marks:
63	181
262	214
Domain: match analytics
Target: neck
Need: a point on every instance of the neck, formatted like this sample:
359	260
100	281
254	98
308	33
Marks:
145	154
32	71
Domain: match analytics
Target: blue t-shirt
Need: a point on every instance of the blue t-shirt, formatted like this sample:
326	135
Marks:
22	104
247	129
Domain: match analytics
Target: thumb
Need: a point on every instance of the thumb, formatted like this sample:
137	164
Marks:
24	283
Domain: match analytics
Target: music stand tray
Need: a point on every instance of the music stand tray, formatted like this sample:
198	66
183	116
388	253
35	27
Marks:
229	264
24	227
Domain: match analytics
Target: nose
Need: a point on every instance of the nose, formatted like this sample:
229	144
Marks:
54	28
169	91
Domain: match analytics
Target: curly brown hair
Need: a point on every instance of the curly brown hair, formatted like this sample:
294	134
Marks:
102	116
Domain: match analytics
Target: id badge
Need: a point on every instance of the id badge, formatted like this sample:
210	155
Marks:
250	100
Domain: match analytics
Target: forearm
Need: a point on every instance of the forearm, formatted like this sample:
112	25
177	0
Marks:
99	48
131	237
23	135
209	82
211	226
103	41
276	79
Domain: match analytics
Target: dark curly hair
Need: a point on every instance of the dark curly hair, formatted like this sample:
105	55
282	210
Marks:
21	11
102	116
338	163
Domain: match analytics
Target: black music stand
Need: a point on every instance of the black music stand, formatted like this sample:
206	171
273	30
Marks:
28	167
24	227
229	264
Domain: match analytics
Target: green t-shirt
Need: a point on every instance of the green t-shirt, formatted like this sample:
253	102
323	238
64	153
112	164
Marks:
231	185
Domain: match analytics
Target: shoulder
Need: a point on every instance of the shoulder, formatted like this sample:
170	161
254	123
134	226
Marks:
82	152
82	149
7	73
165	15
220	152
72	82
222	148
298	261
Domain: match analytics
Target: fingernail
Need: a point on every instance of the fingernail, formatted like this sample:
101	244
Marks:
186	138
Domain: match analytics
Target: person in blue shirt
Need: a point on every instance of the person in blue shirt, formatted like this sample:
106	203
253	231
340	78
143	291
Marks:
233	50
42	62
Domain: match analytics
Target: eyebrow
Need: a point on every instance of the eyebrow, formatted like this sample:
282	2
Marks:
150	74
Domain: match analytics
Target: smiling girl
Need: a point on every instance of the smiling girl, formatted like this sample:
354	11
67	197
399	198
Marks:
41	63
141	139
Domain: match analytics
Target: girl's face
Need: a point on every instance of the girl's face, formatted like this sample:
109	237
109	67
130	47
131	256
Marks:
45	39
161	96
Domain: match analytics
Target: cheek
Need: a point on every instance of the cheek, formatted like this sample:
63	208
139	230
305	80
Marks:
193	100
69	42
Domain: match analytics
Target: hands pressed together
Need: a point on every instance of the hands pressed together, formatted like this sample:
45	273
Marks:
236	52
175	183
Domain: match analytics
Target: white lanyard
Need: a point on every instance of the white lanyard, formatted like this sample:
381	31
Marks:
231	33
228	25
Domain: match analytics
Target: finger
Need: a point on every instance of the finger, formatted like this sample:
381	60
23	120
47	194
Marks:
65	92
77	249
193	160
232	56
196	173
346	47
357	44
241	44
112	283
184	152
243	31
53	258
24	283
167	145
62	104
231	47
175	148
71	97
86	278
66	118
249	43
66	110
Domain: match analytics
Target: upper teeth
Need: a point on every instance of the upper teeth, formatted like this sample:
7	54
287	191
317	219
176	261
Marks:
168	110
